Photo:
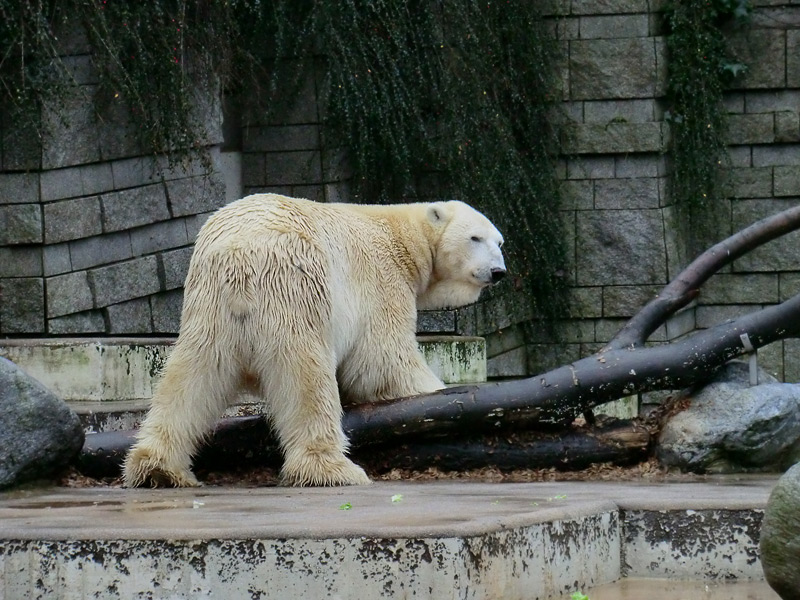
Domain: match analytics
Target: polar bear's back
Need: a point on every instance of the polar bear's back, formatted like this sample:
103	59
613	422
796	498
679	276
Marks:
271	264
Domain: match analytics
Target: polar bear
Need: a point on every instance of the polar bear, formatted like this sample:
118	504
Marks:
298	301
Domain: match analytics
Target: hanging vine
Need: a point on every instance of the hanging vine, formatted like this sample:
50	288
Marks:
430	99
699	70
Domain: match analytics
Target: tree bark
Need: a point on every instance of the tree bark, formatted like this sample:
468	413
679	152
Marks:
249	441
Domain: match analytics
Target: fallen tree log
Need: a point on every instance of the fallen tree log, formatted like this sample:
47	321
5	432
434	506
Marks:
622	368
249	441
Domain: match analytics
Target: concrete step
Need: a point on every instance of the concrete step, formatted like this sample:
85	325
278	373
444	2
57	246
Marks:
455	540
109	381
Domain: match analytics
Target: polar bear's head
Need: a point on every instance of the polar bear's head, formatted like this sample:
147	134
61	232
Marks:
466	256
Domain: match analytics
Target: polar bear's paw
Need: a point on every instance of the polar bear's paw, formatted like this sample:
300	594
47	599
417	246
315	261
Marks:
322	469
142	467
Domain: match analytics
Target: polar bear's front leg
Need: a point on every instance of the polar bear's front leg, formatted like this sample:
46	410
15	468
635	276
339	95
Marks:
307	415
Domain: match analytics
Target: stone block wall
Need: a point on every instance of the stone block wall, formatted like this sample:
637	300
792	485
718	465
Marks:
95	240
617	208
95	236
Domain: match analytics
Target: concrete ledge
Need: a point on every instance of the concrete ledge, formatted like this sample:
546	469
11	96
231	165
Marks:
81	370
430	540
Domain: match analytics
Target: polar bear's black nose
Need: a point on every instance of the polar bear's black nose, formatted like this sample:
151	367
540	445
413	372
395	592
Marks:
498	274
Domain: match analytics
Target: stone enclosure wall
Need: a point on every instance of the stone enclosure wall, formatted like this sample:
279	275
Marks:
95	237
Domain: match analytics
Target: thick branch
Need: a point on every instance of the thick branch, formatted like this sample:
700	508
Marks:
558	396
684	288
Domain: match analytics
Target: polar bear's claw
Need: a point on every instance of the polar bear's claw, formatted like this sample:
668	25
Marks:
141	468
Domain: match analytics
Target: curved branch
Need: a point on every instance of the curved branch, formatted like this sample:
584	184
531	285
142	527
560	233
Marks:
685	287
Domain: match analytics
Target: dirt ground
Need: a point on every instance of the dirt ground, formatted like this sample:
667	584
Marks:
649	470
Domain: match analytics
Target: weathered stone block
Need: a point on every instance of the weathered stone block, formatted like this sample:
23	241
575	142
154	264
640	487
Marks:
56	259
627	300
600	7
19	188
71	134
20	261
577	194
754	182
310	192
640	165
789	285
436	321
586	302
293	168
166	310
61	183
96	178
196	195
67	294
733	102
513	363
159	236
20	224
616	138
793	58
780	255
766	156
618	247
86	322
254	171
72	219
135	172
118	134
175	265
131	317
590	167
787	127
619	111
740	156
626	193
544	357
280	138
22	305
125	281
504	340
622	68
787	181
791	360
709	315
134	207
100	250
22	149
614	26
750	129
761	50
760	101
744	288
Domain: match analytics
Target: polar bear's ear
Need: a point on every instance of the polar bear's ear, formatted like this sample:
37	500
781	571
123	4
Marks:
439	213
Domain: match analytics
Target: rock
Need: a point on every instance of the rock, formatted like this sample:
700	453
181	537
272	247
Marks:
732	427
39	433
780	536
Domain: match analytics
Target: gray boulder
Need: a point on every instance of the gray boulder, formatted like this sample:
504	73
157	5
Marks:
731	426
780	536
39	433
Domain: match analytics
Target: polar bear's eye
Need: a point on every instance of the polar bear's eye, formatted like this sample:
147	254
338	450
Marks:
475	238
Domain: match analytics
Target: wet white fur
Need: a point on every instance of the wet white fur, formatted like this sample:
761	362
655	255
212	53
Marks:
297	300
